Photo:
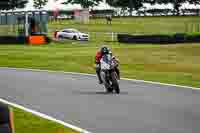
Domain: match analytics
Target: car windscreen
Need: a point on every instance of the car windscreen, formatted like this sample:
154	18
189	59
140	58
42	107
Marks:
66	31
75	31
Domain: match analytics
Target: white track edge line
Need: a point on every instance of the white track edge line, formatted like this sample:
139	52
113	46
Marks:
44	116
86	74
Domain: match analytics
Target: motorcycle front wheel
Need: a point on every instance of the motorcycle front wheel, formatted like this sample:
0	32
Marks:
106	83
115	83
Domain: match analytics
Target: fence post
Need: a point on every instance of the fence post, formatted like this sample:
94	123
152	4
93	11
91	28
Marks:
112	37
0	16
196	27
26	24
191	28
186	27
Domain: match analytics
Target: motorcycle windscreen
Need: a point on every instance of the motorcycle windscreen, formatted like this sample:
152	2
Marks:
107	58
106	62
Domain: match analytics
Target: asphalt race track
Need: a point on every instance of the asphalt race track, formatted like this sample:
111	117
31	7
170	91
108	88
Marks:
80	101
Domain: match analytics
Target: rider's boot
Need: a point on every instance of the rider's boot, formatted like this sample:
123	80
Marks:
99	77
100	80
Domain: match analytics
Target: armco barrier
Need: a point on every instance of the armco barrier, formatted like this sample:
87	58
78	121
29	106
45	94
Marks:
158	39
193	39
20	40
12	40
124	38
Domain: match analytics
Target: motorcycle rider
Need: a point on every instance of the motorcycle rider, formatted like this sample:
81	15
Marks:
100	53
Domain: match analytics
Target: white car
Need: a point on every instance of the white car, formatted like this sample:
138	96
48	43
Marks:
72	34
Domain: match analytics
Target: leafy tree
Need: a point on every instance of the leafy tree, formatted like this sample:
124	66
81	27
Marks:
4	5
39	4
176	3
131	4
83	3
12	4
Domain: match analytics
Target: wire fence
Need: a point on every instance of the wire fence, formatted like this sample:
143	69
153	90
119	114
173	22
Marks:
100	36
192	27
11	30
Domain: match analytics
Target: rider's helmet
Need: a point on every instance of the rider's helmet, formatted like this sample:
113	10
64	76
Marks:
105	50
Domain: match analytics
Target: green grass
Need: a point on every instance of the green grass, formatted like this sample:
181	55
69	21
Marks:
10	30
27	123
177	64
136	25
98	29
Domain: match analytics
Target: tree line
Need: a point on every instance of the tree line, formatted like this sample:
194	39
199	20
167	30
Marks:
133	4
14	4
129	5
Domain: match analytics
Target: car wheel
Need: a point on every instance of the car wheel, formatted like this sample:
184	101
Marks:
60	37
75	38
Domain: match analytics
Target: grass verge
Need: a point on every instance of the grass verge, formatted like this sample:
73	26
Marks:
177	64
28	123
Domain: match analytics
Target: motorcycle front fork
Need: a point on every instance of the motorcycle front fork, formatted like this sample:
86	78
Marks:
104	77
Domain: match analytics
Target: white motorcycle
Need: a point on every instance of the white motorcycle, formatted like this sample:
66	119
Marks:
108	73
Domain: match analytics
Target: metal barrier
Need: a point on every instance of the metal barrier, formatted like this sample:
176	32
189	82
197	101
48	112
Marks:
22	24
23	18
